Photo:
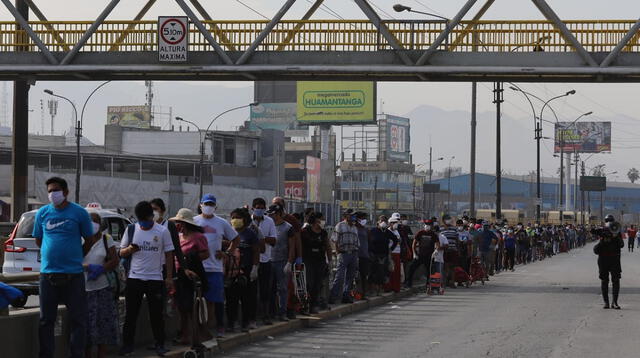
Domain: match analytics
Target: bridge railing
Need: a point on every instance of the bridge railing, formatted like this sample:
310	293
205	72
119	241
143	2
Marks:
330	35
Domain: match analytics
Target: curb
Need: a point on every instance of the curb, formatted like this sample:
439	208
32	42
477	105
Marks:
279	328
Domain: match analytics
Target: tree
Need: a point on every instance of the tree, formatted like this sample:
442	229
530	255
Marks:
598	170
633	175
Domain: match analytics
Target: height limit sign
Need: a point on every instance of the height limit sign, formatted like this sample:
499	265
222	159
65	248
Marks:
172	38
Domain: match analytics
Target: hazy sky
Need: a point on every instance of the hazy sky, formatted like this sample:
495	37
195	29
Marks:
617	103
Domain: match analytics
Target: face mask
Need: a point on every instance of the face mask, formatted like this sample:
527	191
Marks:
427	227
237	223
460	228
448	222
394	226
258	212
384	225
56	197
96	228
322	223
519	227
363	222
208	210
156	216
405	222
145	224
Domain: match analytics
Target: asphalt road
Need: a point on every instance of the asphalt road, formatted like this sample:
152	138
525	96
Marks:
551	308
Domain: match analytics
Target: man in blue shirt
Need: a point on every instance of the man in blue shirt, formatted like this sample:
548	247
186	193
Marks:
488	241
58	230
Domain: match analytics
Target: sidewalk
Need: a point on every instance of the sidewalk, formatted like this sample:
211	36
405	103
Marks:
231	341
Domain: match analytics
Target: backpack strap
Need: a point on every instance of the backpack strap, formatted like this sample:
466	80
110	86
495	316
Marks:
106	248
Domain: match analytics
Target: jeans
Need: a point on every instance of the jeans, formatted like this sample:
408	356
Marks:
153	290
74	297
345	273
282	285
510	261
485	257
265	287
415	265
242	295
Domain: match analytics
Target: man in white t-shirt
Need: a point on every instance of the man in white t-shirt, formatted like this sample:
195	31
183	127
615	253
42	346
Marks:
146	248
268	229
219	234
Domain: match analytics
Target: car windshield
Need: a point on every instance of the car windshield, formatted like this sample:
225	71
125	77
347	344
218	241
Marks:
25	226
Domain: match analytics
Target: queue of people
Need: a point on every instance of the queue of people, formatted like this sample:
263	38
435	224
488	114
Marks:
263	263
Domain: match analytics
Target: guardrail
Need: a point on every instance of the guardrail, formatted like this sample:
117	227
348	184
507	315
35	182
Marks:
20	277
330	35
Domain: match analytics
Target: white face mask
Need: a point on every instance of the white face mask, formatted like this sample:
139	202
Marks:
394	226
322	223
56	197
156	215
384	225
405	222
208	210
427	227
96	228
460	228
363	222
448	222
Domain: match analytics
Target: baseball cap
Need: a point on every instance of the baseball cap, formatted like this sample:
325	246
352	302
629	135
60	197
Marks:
208	198
275	208
395	216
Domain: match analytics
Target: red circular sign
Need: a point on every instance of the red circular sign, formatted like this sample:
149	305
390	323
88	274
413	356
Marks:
173	35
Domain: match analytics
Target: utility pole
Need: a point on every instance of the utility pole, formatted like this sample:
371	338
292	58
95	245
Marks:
561	201
472	167
375	198
538	137
430	178
582	171
498	92
575	186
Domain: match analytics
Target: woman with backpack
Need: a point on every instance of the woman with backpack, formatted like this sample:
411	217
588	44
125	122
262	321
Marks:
102	325
194	247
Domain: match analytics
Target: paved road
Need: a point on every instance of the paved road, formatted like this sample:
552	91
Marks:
546	309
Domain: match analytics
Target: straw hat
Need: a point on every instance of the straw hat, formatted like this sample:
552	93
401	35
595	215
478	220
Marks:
185	215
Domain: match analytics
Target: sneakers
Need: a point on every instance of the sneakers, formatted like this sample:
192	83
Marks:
253	325
615	306
283	318
220	333
161	351
267	321
606	306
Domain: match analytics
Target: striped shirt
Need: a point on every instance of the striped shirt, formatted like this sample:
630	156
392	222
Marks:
345	237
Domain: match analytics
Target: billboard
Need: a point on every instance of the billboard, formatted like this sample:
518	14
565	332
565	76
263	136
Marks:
280	116
336	102
583	137
398	138
590	183
294	190
313	179
129	116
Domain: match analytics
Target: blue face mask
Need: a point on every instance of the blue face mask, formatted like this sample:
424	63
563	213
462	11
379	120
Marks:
258	212
146	224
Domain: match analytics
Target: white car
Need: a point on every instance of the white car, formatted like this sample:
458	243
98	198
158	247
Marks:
21	254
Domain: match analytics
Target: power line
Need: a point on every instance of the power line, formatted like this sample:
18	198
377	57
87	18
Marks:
252	9
429	8
381	10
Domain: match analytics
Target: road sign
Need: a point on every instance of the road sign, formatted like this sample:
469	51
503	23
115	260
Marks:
173	38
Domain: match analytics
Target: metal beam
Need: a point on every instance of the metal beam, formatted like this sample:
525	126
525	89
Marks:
265	32
133	25
205	15
207	35
41	17
625	40
24	24
443	35
90	31
548	12
300	25
384	30
483	10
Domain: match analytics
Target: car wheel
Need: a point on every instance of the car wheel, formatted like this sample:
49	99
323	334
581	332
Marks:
20	302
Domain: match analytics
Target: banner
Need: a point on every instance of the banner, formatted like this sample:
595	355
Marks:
313	179
583	137
280	116
294	190
336	102
129	116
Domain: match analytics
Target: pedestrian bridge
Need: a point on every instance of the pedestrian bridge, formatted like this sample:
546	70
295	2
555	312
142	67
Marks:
328	49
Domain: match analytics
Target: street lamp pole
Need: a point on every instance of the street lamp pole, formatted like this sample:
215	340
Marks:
201	163
449	185
78	134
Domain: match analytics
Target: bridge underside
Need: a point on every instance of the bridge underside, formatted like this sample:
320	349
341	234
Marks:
287	66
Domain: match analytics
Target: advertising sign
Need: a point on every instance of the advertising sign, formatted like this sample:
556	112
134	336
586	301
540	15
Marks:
336	102
313	179
398	138
590	183
173	36
280	116
583	137
129	116
294	190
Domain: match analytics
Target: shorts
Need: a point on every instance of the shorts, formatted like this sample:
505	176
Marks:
215	291
609	264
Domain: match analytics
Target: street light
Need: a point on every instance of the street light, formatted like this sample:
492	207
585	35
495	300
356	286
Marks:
202	140
78	134
449	185
401	8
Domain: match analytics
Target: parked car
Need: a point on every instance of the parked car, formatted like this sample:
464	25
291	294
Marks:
21	254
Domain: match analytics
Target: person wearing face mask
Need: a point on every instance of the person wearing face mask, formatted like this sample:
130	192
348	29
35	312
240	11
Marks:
522	244
406	254
510	248
395	276
102	327
608	250
364	262
383	241
464	259
193	245
316	253
282	258
58	230
347	243
267	227
146	247
220	235
243	292
452	251
488	240
423	247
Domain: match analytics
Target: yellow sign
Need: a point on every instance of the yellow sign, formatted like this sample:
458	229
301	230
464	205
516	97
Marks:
336	102
129	116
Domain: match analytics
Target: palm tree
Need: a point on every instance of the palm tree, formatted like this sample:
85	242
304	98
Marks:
633	175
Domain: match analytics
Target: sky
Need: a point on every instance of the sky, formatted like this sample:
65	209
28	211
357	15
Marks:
615	102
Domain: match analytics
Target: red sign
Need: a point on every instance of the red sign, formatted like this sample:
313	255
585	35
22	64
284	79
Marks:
294	190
